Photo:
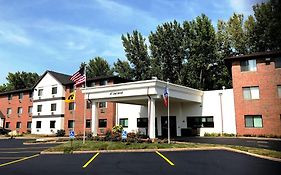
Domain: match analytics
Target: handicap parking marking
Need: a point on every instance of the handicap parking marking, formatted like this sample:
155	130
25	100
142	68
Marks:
19	160
89	161
165	158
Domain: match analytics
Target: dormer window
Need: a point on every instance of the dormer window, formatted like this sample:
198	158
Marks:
40	92
10	96
20	96
54	90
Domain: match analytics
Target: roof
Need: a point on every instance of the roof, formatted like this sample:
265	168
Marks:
16	91
255	55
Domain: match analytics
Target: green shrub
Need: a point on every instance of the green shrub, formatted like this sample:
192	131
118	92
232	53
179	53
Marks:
60	133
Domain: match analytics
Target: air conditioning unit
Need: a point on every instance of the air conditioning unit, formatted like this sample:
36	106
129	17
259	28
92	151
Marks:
102	110
38	113
52	113
39	98
53	96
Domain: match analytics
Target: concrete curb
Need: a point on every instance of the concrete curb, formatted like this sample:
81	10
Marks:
169	150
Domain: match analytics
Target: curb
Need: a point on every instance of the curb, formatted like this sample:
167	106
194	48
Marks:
169	150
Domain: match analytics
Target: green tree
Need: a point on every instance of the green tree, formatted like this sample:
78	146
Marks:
123	69
249	26
168	52
137	53
19	80
98	67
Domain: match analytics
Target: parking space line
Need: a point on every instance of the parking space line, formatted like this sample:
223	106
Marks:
165	158
19	160
87	163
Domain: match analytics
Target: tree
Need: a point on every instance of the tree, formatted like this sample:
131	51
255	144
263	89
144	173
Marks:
98	67
123	69
168	52
136	52
19	80
249	26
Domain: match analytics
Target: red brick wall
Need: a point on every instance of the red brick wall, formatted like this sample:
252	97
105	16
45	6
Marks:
14	117
108	113
267	77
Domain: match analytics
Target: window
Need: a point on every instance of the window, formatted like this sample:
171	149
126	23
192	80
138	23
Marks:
123	122
9	111
102	104
29	125
39	108
20	96
104	82
19	110
102	123
10	96
89	104
278	62
53	124
200	122
30	94
18	125
248	65
7	125
71	106
88	123
279	90
253	121
71	123
54	90
30	109
251	93
38	124
71	89
53	107
142	122
40	92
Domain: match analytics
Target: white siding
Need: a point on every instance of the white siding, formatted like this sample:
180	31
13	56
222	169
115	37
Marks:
45	125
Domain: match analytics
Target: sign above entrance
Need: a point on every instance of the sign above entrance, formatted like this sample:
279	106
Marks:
116	93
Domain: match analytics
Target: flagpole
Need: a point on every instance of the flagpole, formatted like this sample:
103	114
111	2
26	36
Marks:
169	140
85	105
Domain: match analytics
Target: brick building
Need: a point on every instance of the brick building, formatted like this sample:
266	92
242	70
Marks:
257	93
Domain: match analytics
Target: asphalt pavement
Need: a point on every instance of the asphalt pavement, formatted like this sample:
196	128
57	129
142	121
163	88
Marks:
271	144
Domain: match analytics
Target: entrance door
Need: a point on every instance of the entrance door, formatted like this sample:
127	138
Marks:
173	126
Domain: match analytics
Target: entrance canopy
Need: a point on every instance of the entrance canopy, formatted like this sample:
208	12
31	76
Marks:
138	92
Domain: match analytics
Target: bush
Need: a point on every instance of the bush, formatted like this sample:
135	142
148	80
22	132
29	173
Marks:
60	133
117	129
89	135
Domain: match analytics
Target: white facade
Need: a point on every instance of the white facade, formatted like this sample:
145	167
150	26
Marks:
44	97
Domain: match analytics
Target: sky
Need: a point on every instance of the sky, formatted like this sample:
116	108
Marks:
40	35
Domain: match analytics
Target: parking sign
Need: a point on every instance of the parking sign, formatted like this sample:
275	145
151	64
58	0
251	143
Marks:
124	135
71	134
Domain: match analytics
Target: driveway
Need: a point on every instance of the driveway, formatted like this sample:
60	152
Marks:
272	144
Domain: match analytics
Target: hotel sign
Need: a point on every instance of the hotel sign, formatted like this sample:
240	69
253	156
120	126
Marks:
116	93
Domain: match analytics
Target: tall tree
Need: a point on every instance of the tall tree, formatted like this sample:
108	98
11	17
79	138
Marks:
123	69
137	53
249	26
98	67
19	80
167	50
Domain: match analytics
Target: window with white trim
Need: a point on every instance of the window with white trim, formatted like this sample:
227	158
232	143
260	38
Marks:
248	65
251	93
253	121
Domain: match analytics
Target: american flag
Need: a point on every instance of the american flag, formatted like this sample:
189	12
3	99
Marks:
79	77
166	96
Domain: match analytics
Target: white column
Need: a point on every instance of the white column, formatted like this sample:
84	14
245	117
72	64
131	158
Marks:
94	119
151	125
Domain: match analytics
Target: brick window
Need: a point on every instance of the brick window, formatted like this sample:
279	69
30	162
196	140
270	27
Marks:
250	93
88	123
10	96
39	108
248	65
18	125
104	82
279	91
71	106
19	110
89	104
54	90
53	124
71	123
102	123
53	107
102	104
38	124
9	111
30	94
20	96
40	92
29	125
30	109
278	62
7	125
253	121
123	122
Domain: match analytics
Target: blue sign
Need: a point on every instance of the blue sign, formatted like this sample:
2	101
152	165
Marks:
124	135
71	134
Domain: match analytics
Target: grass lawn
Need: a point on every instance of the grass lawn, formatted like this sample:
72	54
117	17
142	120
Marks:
106	145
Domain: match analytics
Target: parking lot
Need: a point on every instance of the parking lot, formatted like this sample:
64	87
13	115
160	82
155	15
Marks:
177	163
